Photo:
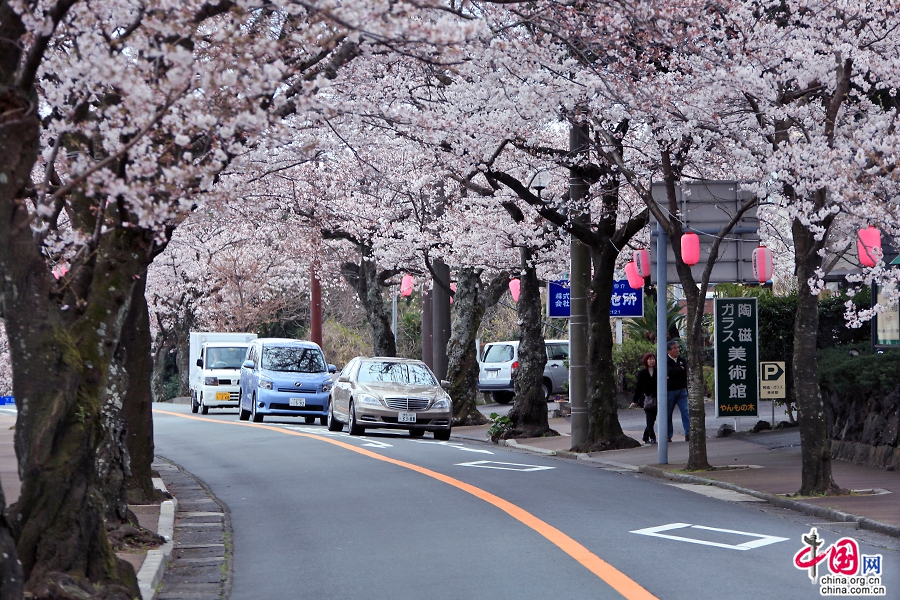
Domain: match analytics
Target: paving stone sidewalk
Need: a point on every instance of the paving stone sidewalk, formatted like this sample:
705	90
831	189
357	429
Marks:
201	563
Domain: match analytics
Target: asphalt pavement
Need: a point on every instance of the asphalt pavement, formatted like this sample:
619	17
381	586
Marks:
764	465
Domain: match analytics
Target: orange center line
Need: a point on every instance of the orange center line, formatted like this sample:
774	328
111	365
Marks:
613	577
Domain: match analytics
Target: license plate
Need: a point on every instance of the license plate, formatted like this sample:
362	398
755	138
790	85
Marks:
492	374
298	401
406	418
223	396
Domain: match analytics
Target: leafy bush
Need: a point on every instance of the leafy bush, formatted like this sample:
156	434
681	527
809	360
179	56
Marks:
627	361
863	374
499	426
709	381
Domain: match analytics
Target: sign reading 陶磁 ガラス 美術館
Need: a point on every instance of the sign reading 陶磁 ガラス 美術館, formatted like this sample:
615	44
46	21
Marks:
737	357
625	301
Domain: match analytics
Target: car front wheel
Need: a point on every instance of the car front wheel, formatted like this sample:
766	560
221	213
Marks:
355	429
257	418
333	424
442	435
204	409
244	414
194	406
545	390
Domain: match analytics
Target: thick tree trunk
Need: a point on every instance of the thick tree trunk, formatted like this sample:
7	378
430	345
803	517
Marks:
605	432
529	411
469	304
19	135
697	456
61	368
12	580
60	358
816	476
137	406
162	347
182	331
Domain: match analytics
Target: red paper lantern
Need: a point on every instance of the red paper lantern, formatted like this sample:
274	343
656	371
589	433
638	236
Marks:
762	264
690	249
642	262
868	245
406	285
453	288
515	287
634	279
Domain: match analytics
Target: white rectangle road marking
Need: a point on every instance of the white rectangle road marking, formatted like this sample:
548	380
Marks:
503	466
758	541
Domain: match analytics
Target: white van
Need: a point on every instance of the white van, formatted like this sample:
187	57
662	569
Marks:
499	362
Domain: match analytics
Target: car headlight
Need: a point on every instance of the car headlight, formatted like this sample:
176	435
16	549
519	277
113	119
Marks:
265	384
326	387
210	381
367	399
441	403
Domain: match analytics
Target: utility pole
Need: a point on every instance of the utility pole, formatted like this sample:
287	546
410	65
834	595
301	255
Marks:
440	313
580	269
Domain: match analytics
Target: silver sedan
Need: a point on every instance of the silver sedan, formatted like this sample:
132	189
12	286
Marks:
390	393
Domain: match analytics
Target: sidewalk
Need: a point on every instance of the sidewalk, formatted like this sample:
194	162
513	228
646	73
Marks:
771	464
149	565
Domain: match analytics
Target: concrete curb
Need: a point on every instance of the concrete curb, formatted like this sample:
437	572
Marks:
795	505
515	444
154	566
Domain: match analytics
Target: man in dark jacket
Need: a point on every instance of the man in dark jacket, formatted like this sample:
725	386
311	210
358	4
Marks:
676	384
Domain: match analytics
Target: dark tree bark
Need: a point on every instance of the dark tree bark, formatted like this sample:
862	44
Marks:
368	282
529	411
816	474
470	301
12	580
137	406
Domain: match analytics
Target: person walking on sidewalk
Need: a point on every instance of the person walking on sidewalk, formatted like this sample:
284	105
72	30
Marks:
676	384
645	395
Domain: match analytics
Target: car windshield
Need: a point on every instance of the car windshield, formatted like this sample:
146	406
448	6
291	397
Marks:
292	359
391	372
499	353
225	358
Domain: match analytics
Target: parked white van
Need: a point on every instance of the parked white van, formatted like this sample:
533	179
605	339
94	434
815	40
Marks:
499	362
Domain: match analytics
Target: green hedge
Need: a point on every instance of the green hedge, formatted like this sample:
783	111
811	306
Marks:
864	375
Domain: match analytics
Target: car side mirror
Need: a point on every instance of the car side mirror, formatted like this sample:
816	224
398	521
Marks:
248	364
200	362
445	384
332	369
344	378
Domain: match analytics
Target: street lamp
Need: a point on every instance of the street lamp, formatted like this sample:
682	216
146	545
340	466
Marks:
539	182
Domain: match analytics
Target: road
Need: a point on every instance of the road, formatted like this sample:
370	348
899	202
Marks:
326	515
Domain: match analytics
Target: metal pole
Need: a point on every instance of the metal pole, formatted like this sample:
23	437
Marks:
440	318
580	268
427	328
662	331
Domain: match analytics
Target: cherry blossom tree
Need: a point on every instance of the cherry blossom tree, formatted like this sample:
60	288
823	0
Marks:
117	120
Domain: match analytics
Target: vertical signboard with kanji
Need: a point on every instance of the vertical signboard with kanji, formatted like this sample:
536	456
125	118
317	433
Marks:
737	357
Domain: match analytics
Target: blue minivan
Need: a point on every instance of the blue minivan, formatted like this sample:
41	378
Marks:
285	378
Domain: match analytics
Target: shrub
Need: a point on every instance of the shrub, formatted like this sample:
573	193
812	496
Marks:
857	371
627	361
